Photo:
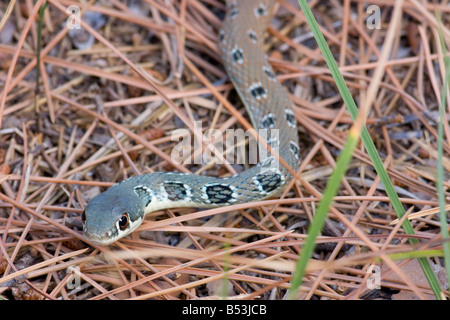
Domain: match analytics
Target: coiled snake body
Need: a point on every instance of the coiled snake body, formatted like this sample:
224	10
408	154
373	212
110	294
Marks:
121	209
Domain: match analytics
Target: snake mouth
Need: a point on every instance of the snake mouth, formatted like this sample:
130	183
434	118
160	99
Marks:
108	237
105	239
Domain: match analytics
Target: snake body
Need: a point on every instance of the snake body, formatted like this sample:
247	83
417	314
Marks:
121	209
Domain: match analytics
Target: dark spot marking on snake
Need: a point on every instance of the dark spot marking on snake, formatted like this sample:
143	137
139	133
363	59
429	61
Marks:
268	182
234	11
144	194
221	35
252	35
268	121
258	92
260	11
238	55
295	149
290	118
175	191
269	72
219	193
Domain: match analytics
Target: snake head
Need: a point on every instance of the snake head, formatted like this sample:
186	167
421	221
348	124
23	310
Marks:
112	215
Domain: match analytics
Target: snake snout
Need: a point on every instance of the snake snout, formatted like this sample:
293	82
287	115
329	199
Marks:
98	237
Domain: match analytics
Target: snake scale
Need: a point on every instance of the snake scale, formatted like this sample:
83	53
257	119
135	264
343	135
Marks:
121	209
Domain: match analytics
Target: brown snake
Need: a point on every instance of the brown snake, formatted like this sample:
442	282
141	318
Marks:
121	209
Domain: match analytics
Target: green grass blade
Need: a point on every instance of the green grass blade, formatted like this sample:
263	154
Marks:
440	166
415	254
341	167
39	46
322	211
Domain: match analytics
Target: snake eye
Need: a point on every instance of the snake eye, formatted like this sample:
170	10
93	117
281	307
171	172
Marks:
83	216
123	221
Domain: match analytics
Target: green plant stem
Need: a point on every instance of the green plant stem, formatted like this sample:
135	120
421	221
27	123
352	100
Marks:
39	46
440	150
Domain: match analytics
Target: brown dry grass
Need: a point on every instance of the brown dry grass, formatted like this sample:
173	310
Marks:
82	130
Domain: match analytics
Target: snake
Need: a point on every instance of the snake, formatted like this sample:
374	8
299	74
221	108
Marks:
119	210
